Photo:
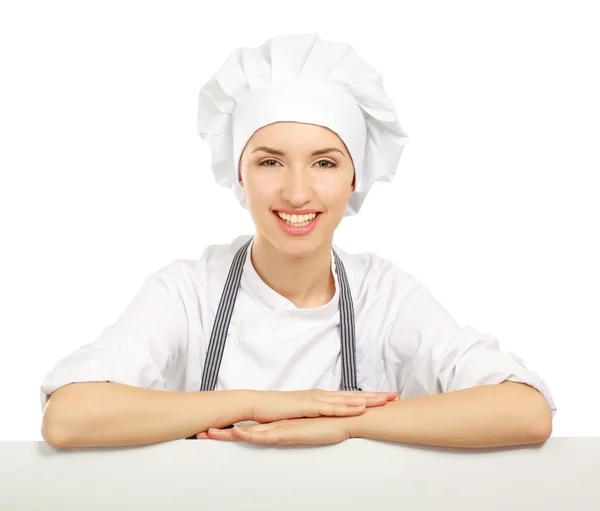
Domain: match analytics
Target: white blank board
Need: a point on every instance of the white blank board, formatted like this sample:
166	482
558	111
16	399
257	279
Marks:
562	474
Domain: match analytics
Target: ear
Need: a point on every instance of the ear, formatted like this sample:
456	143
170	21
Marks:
239	174
241	183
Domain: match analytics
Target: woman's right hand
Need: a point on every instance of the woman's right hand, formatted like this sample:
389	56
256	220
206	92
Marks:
270	406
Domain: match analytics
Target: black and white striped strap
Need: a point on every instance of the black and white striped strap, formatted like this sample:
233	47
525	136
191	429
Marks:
218	336
348	335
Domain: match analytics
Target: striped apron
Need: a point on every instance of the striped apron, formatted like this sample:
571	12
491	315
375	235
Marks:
218	336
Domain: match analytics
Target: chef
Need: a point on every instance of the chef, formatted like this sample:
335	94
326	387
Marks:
281	333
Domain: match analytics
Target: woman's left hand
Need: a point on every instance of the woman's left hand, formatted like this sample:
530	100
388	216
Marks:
312	431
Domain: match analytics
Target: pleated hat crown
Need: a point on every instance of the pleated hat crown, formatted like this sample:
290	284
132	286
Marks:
303	79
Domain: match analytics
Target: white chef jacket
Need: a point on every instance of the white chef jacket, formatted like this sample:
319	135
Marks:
405	340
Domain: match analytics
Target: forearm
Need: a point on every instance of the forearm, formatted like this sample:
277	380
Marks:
111	414
485	416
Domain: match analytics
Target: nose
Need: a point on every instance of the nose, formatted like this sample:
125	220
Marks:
297	187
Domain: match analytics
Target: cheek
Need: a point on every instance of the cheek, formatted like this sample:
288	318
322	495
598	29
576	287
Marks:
334	193
260	189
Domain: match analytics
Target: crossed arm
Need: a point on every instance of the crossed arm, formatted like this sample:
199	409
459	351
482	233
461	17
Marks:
485	416
109	414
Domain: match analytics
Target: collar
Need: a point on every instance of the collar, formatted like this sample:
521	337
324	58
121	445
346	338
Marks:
258	288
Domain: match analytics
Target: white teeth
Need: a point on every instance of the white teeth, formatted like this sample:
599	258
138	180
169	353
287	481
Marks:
297	220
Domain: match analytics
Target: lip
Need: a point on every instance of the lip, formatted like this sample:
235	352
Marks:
296	231
297	211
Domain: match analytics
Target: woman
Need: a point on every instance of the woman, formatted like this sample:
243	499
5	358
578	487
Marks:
282	329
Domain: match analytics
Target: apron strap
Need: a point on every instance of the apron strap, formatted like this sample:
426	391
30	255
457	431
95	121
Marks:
216	347
218	335
348	336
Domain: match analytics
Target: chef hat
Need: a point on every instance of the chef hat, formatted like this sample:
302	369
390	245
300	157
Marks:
303	79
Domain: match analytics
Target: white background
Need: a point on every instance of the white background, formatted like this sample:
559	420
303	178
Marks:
494	207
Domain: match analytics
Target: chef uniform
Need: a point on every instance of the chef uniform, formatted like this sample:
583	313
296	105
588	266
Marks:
213	324
225	310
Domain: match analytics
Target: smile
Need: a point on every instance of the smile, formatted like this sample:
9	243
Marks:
297	225
297	220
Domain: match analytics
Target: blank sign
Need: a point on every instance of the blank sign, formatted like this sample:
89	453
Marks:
358	474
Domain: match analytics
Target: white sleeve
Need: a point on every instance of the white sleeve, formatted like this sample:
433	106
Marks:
433	354
136	350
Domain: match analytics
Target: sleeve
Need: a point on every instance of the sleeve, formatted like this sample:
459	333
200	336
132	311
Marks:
433	354
136	350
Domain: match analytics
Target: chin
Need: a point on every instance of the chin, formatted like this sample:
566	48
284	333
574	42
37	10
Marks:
297	246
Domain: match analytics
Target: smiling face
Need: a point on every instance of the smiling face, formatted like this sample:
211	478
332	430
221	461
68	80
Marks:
297	179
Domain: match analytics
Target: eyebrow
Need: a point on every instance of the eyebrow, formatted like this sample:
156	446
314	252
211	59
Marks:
314	153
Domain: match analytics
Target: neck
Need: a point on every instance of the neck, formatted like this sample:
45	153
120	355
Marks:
305	281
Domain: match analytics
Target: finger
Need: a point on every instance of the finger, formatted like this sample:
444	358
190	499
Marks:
265	426
358	393
202	436
386	396
340	410
346	409
270	436
357	400
221	434
365	400
366	397
346	393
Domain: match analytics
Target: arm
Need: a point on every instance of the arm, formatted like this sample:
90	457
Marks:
111	414
485	416
505	414
115	391
457	387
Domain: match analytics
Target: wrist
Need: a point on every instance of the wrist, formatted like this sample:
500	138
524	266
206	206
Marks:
354	426
228	407
369	423
249	403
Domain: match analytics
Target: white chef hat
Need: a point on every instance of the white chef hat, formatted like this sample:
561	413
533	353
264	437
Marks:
303	79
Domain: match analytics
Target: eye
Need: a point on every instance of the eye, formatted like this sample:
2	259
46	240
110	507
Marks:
331	164
264	163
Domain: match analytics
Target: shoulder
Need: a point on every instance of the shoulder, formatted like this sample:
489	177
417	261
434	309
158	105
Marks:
190	279
372	276
213	257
